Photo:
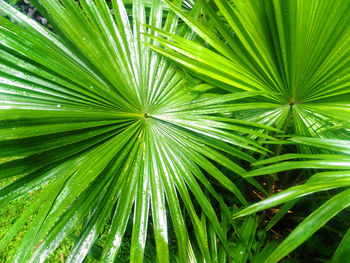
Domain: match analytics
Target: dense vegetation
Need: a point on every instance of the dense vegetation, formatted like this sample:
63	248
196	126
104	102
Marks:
175	131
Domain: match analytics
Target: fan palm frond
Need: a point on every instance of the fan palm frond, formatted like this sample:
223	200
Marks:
107	132
295	52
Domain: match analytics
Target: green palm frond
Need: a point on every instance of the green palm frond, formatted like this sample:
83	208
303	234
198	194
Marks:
296	52
342	252
337	176
108	132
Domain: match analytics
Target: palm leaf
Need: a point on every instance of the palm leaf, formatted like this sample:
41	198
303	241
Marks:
108	132
321	181
295	52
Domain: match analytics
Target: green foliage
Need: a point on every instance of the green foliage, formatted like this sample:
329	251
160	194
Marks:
321	181
295	52
141	127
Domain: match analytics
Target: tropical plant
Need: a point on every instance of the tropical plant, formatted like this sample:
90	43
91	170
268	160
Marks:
338	160
140	117
295	52
108	131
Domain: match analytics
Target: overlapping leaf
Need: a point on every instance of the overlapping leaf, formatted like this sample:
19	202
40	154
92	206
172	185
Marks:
337	176
296	52
107	131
